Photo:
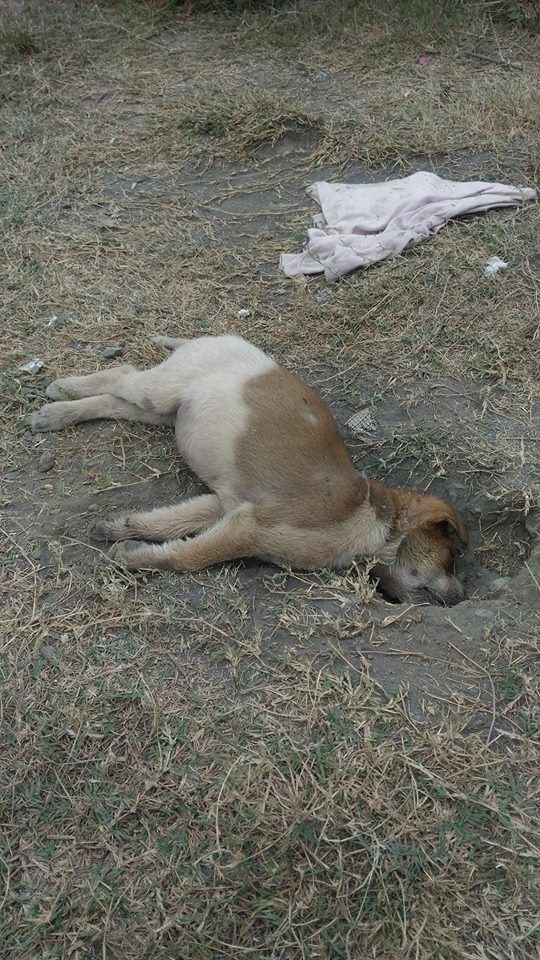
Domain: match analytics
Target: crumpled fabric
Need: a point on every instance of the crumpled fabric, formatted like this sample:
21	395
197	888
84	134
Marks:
361	223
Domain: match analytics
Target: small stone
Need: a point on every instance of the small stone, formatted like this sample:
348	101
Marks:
48	487
110	352
33	366
48	651
46	463
92	507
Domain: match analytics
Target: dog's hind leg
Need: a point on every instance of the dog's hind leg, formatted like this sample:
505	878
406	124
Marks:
56	416
89	384
153	390
164	523
105	381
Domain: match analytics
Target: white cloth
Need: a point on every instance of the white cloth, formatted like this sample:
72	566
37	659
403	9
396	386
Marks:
361	223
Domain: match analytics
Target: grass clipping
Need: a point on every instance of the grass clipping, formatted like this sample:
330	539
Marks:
243	123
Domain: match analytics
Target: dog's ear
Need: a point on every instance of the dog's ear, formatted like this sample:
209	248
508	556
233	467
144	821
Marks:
430	511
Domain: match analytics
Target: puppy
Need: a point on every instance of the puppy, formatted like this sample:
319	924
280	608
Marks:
284	487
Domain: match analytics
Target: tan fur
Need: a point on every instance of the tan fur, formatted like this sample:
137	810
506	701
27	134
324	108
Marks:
291	455
285	488
164	523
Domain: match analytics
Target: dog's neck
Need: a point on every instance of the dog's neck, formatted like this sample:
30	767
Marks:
386	504
371	521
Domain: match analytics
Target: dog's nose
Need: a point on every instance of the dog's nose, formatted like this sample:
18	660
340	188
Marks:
448	591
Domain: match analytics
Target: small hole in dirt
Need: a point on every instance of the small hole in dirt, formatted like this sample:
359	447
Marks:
502	537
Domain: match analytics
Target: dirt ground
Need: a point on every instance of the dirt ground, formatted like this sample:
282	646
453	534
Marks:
250	761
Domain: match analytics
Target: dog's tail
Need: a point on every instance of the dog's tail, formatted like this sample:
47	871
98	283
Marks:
170	343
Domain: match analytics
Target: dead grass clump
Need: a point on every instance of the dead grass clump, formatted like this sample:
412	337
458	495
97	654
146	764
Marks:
17	37
245	122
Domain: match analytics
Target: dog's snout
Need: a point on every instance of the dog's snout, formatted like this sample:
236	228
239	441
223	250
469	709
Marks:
447	591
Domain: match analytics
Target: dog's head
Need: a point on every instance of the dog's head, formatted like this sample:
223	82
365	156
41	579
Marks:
423	569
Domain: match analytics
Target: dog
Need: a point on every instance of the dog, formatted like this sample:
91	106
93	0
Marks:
284	488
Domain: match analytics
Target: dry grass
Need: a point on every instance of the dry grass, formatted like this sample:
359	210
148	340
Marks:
205	767
147	814
243	123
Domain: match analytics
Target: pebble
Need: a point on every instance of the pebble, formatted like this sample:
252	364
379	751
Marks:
110	352
48	486
48	651
46	463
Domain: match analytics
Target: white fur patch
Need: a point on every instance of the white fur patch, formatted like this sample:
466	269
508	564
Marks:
210	377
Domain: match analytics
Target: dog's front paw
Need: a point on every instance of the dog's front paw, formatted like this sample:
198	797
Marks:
125	553
51	416
60	389
117	528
